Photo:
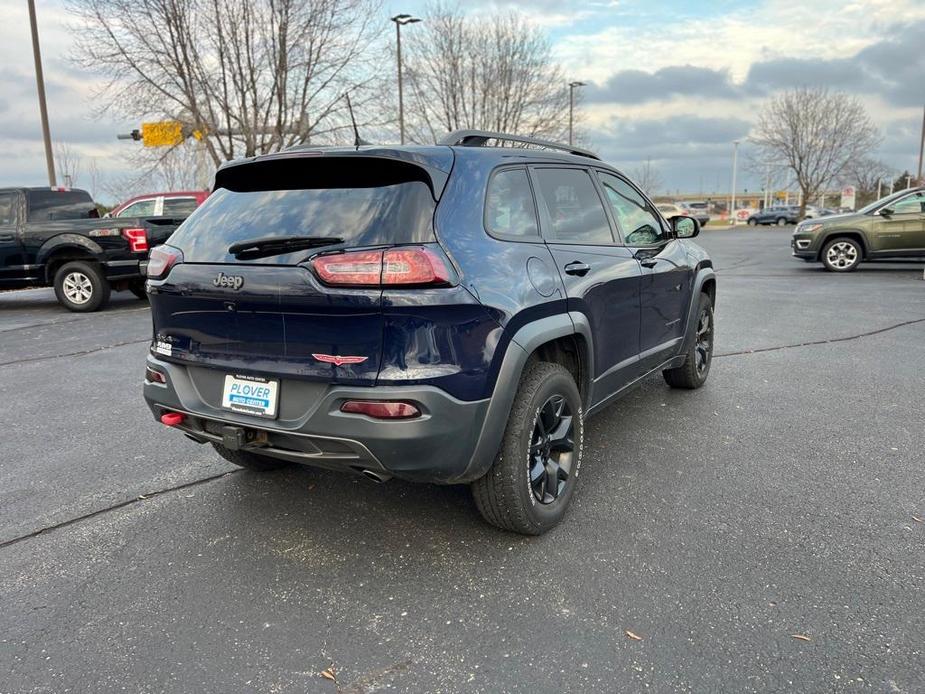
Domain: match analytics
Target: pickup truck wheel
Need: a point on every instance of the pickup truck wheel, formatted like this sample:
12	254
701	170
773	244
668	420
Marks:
842	255
81	287
529	486
695	369
251	461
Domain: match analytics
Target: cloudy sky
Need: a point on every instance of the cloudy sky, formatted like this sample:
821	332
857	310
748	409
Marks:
674	81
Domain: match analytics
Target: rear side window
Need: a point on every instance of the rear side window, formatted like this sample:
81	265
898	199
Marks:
6	208
509	208
179	207
575	210
48	205
399	213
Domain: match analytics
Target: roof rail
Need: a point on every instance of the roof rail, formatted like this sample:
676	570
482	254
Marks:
478	138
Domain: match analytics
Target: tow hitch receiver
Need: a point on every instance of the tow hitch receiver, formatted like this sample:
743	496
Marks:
233	438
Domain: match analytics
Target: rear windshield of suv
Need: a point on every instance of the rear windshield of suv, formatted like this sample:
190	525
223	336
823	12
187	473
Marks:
399	213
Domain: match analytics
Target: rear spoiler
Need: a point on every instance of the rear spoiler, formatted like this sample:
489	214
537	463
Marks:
338	167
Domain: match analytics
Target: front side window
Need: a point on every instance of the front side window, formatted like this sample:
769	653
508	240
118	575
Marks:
913	204
509	208
142	208
637	220
575	210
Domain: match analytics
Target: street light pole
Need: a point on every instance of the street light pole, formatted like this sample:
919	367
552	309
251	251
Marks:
400	20
735	158
571	110
40	84
922	149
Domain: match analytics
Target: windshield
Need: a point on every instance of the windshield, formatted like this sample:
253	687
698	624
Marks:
400	213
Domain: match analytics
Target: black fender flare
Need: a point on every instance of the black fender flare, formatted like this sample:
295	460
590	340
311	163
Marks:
524	342
704	275
63	242
829	235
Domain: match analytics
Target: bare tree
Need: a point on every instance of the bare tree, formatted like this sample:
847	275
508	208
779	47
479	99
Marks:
255	75
484	72
648	178
68	161
817	133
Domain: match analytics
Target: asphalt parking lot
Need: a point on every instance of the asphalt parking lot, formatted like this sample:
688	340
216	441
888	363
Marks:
762	534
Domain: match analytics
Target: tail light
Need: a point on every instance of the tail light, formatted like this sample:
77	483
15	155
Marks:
380	409
137	239
416	266
163	258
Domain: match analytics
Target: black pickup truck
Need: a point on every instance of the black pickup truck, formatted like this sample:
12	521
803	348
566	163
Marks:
55	237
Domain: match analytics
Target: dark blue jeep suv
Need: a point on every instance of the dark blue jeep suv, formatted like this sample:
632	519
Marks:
447	314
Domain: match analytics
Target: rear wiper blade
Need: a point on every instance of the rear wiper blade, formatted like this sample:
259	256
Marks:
276	245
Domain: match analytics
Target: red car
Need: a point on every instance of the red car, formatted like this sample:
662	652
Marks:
179	204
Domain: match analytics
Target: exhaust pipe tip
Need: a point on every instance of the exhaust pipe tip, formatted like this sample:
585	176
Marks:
376	477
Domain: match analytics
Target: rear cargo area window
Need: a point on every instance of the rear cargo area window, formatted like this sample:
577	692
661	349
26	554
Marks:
50	205
389	212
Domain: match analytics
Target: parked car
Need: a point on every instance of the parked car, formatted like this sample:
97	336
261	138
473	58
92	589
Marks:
698	210
54	237
446	314
778	214
893	227
179	205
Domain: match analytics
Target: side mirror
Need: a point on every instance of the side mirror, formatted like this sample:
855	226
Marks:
886	212
684	227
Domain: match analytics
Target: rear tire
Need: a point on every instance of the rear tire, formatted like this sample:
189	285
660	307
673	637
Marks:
81	287
528	488
251	461
781	222
842	255
696	367
752	222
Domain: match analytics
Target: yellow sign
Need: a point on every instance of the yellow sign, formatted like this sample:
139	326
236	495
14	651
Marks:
164	134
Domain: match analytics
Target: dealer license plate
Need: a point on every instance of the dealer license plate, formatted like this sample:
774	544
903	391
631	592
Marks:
250	395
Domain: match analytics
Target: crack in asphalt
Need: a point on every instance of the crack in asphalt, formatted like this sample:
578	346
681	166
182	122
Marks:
74	354
65	321
114	507
820	342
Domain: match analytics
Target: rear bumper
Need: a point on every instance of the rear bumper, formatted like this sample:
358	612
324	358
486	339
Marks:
125	269
435	447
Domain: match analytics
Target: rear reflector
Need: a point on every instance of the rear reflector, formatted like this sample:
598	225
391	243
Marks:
172	419
154	376
407	266
137	239
381	409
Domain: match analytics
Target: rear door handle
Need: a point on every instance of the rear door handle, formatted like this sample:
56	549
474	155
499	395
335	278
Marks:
650	262
577	268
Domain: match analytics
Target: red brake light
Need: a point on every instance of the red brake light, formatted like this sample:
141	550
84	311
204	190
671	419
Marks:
160	261
137	239
419	266
406	265
357	267
380	409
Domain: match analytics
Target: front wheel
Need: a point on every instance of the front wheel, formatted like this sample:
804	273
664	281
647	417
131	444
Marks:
81	287
842	255
696	367
529	486
752	222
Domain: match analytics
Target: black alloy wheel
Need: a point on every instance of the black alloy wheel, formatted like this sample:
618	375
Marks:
551	450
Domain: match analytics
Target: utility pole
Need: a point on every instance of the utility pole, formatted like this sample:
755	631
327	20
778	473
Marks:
400	21
40	84
922	149
735	160
879	187
571	110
